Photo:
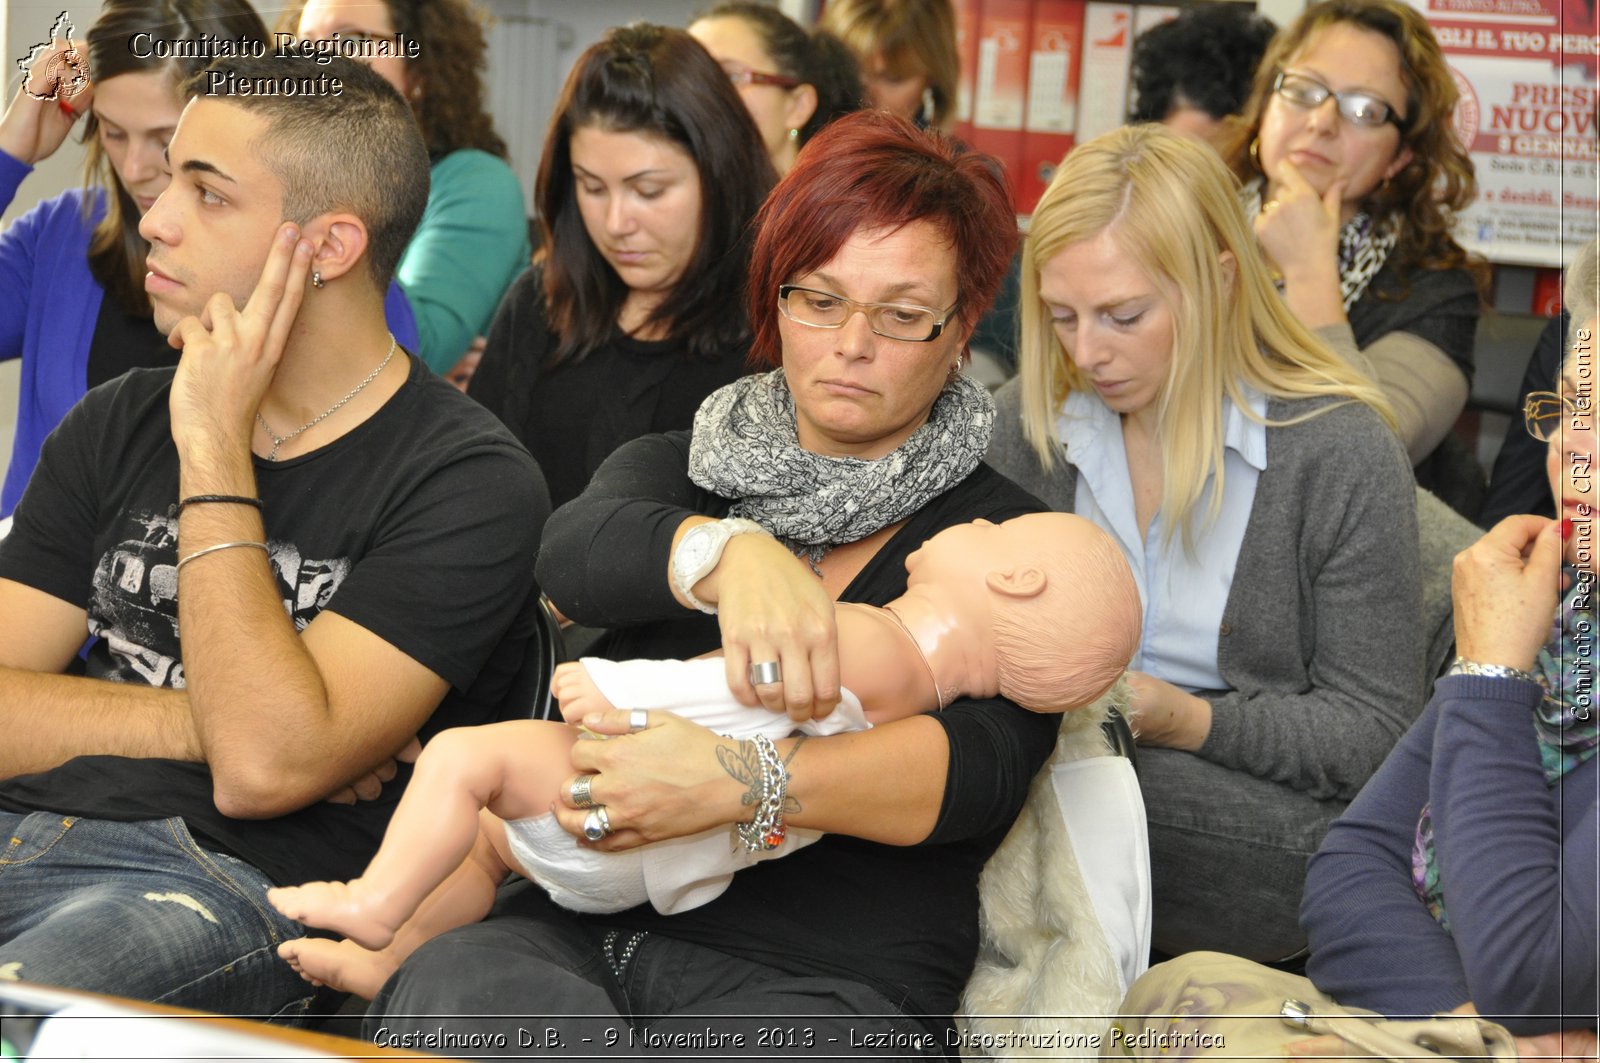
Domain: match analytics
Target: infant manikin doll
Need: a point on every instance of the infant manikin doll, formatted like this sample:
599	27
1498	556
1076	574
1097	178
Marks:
1041	609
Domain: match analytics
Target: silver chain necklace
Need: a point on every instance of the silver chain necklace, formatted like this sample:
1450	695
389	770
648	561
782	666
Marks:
278	441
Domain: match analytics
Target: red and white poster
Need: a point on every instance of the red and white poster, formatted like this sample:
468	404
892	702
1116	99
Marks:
1527	74
1103	84
1053	77
967	12
1001	85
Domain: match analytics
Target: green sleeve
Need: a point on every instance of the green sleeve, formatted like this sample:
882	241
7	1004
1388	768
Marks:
473	241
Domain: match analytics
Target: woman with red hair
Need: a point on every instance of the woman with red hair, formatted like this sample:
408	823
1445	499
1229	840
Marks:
807	483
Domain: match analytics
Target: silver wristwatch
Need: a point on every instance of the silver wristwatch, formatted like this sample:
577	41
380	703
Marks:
699	551
1462	666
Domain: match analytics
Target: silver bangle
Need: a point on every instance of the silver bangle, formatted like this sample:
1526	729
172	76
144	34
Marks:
220	546
766	831
1462	666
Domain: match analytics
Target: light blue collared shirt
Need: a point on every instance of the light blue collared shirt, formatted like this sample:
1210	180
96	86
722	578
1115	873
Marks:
1183	596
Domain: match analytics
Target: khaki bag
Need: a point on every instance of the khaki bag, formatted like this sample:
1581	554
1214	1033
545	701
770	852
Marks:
1206	1003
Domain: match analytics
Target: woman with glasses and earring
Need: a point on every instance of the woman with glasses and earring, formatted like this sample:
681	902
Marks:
793	81
1353	177
473	239
629	317
811	482
1253	481
907	52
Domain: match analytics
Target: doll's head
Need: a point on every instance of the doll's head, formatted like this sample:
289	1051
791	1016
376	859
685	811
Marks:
1055	594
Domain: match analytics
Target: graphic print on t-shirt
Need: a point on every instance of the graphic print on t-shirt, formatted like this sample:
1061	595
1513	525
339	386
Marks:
134	605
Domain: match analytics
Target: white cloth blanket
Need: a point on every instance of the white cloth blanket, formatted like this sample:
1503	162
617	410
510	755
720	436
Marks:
676	874
1064	905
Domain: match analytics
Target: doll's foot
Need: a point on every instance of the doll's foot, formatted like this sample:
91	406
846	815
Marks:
577	692
349	908
341	965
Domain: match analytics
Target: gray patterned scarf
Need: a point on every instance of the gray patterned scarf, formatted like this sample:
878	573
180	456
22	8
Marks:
745	447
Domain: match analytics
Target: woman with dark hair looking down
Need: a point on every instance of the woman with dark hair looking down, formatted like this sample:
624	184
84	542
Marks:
651	172
812	482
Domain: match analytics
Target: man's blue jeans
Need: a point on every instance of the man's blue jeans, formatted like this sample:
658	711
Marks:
139	910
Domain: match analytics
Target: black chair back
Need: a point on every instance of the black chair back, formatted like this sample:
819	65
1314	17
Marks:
528	696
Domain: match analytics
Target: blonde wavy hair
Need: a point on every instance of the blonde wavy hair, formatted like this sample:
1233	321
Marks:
1170	204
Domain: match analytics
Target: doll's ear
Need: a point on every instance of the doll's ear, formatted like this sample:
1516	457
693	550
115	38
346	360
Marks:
1026	582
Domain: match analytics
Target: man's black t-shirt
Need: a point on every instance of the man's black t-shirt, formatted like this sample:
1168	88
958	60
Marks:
421	525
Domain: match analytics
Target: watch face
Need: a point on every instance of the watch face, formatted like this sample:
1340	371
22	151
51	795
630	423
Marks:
696	547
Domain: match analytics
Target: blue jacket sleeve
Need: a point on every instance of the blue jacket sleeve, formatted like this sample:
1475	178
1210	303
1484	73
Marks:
1516	864
1373	943
16	261
397	315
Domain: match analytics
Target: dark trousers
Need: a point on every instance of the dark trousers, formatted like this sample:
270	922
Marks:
536	980
1228	855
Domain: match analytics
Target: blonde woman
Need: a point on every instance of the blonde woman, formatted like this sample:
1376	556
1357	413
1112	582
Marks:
1256	486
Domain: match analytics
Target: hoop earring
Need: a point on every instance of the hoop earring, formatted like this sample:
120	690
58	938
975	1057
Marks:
928	105
1255	154
317	281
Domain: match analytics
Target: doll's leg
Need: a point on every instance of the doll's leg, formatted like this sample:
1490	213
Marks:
577	692
465	897
513	767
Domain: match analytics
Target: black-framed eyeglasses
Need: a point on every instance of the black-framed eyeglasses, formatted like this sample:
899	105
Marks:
742	77
1546	413
1358	108
895	321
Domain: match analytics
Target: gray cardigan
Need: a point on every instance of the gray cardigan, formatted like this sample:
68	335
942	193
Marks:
1321	639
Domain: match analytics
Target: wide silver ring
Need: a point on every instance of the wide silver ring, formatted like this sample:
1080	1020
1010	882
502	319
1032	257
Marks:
579	791
766	672
597	824
638	719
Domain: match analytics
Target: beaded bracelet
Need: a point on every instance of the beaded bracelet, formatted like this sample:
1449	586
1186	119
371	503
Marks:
220	546
237	500
766	831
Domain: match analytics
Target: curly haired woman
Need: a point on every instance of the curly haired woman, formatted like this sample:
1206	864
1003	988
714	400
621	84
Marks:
1354	175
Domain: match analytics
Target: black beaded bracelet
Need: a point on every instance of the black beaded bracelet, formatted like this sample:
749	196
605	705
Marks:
237	500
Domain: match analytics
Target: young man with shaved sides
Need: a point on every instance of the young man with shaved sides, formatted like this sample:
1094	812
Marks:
289	556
